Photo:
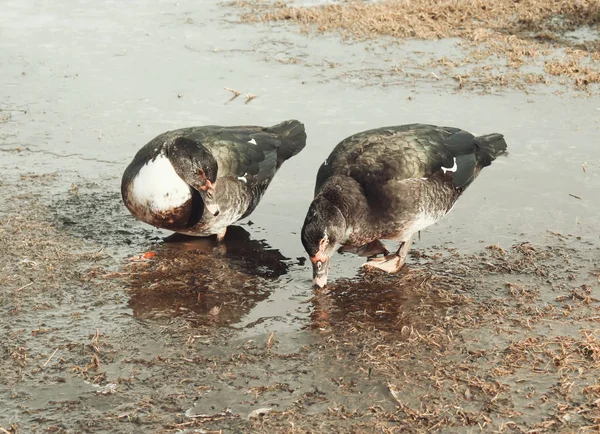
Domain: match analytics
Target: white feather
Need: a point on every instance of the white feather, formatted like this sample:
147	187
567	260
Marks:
451	169
252	141
243	178
158	187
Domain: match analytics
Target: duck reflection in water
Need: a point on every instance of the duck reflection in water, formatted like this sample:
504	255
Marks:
388	303
205	281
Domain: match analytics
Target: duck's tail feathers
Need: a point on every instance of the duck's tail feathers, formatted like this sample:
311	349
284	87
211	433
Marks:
293	139
490	146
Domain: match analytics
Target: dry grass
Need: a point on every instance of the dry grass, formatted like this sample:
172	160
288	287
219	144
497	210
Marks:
34	256
454	357
428	19
583	75
505	340
508	33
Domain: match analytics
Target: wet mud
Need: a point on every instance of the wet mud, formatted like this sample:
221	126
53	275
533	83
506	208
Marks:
216	283
160	341
110	325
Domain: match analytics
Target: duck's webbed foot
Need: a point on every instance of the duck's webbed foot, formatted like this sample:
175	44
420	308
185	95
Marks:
368	250
221	235
391	263
373	248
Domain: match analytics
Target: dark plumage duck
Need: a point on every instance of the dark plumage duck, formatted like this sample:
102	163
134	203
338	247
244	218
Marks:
199	180
390	183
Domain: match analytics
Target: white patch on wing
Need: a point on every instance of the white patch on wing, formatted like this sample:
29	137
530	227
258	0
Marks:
243	178
252	141
451	169
325	163
158	187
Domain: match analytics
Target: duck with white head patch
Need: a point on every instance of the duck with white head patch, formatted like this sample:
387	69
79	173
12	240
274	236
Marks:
199	180
390	183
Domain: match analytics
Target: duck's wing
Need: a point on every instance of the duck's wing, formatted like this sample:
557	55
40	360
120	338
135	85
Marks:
376	153
248	157
415	151
452	153
252	154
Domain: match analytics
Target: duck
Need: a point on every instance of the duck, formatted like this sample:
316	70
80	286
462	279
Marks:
390	183
199	180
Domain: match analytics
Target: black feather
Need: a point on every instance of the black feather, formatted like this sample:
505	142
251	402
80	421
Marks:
465	170
292	137
490	146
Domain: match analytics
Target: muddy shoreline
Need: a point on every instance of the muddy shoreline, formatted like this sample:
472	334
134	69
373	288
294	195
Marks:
524	46
503	338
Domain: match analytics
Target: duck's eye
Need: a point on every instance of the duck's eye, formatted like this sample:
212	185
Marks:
319	265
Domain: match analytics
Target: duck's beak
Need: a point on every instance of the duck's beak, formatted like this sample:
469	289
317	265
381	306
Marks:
210	201
320	271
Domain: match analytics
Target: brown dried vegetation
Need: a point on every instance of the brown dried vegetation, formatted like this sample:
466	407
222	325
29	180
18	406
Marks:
516	32
453	357
428	19
506	339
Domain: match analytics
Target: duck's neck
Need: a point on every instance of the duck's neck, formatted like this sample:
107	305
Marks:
344	193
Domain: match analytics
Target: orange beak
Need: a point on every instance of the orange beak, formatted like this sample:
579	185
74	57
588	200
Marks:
320	263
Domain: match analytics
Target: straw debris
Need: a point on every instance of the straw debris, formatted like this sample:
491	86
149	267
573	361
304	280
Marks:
506	33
